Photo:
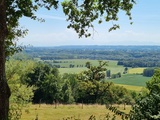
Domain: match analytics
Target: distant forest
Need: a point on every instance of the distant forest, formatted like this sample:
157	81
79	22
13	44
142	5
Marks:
128	56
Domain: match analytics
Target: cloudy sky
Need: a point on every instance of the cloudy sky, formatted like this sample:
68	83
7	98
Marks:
145	29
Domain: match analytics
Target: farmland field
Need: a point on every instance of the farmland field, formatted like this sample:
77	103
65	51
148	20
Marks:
112	65
131	79
130	87
136	70
49	112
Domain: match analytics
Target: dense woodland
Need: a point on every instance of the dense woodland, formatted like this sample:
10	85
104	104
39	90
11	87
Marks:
128	56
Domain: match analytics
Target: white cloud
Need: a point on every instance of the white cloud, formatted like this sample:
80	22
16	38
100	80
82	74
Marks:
127	38
51	17
69	37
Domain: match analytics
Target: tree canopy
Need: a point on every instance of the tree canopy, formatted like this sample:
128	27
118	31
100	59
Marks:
147	105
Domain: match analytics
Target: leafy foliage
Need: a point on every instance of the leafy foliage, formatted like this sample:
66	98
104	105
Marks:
21	94
11	46
50	88
94	72
67	93
147	106
89	86
148	72
82	14
47	83
92	88
15	10
123	115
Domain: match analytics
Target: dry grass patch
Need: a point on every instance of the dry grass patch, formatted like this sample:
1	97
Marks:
130	87
49	112
136	70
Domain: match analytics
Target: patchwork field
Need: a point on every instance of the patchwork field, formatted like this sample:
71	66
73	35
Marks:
49	112
132	78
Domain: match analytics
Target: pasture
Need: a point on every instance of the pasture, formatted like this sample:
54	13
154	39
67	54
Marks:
49	112
131	79
79	65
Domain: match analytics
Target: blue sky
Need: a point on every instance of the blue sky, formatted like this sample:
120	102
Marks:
145	29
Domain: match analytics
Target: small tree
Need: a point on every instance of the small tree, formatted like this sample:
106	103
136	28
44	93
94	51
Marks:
51	87
148	72
91	87
67	93
108	73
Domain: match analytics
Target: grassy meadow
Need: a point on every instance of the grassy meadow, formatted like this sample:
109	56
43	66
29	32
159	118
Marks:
49	112
112	65
131	79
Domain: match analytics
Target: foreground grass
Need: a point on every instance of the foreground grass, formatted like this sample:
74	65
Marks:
49	112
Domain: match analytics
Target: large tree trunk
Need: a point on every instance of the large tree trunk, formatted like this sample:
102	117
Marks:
4	89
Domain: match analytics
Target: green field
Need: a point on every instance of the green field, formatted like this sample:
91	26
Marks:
75	62
131	79
49	112
71	70
112	65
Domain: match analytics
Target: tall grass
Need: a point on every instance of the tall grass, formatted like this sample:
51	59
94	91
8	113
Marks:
49	112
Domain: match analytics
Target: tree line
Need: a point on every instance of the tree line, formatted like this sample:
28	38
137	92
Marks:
86	87
128	56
